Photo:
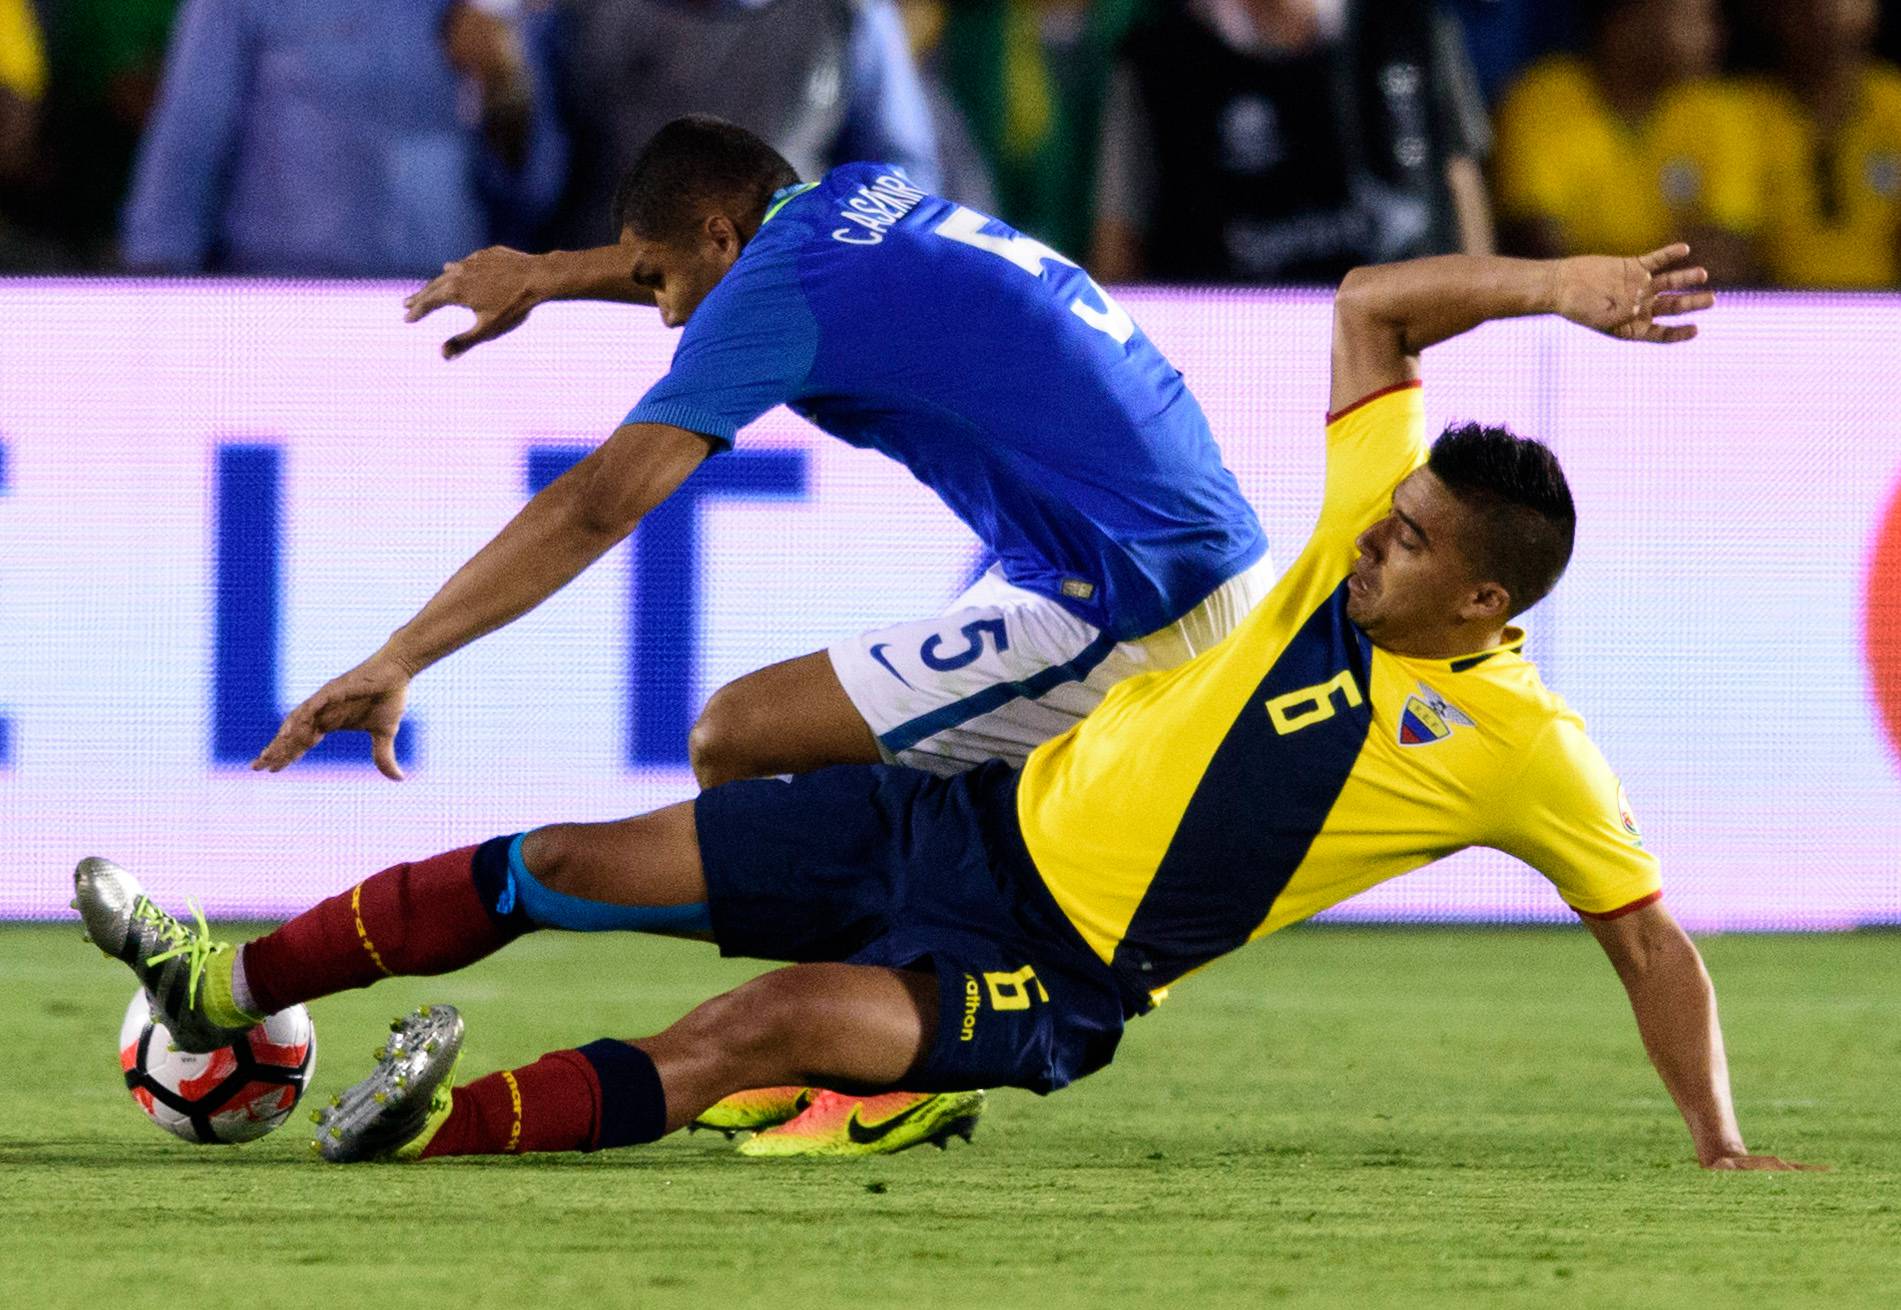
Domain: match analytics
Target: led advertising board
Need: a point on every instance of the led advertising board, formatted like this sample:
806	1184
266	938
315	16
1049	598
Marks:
215	495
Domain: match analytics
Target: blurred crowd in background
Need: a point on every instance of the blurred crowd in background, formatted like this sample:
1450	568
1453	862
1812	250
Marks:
1206	141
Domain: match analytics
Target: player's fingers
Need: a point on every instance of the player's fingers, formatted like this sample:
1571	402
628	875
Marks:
462	342
1689	302
383	751
487	328
1751	1164
288	746
438	292
1670	336
1680	279
1663	257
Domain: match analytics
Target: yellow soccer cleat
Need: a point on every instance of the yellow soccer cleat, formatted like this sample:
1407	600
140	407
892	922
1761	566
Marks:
754	1111
835	1124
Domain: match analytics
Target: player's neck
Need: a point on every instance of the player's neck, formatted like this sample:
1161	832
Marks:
1447	644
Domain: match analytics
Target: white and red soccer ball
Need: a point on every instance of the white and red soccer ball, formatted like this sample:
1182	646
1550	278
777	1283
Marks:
236	1093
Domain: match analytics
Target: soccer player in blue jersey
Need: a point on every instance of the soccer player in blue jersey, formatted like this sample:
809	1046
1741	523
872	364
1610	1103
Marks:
986	363
999	927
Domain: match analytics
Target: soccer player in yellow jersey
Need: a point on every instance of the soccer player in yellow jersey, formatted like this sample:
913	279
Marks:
1373	714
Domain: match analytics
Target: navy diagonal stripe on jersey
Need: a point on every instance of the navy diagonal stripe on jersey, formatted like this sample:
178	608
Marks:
1218	880
910	733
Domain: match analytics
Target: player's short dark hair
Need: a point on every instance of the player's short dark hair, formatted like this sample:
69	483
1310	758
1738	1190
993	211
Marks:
696	164
1520	502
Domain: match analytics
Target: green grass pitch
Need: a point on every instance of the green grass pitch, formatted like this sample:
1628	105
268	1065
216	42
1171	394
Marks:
1335	1117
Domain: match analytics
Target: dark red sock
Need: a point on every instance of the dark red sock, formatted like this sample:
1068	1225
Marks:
603	1095
551	1105
429	917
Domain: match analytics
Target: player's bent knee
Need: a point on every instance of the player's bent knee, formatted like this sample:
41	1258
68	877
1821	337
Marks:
723	745
551	854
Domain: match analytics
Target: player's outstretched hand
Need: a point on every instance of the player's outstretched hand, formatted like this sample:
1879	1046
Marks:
369	698
1624	298
1766	1163
497	283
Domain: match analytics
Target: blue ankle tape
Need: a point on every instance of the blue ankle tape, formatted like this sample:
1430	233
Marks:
548	908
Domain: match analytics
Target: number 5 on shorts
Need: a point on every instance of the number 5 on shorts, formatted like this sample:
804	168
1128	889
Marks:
973	649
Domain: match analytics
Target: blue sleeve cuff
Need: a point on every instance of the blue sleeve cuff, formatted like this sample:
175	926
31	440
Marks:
675	414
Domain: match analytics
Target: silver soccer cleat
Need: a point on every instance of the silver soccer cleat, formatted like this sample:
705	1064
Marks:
169	957
392	1114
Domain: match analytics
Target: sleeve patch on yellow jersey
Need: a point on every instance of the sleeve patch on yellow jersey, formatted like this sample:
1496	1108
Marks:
1629	818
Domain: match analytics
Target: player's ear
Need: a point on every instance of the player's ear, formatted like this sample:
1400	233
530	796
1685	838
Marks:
719	233
1488	602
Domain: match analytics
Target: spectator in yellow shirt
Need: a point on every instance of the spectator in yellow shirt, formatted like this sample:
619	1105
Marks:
22	83
1830	119
1634	144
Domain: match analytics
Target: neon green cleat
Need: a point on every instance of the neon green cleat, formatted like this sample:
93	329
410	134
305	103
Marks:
754	1111
395	1112
835	1124
441	1104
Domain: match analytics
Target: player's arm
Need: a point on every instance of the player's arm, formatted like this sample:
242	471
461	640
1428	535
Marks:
502	286
1385	315
566	527
1675	1005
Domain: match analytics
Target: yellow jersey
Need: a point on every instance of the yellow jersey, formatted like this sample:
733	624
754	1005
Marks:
22	58
1833	209
1296	763
1619	187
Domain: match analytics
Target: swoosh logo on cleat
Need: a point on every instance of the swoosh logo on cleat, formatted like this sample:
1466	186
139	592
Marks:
865	1135
877	653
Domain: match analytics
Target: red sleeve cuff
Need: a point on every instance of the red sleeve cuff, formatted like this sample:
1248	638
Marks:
1364	401
1621	910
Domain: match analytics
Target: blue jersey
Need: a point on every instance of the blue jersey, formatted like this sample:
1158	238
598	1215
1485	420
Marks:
995	370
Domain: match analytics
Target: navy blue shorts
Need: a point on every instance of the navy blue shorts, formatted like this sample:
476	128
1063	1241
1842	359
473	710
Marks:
872	864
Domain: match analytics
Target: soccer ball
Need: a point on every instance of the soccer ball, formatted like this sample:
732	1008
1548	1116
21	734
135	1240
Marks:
237	1093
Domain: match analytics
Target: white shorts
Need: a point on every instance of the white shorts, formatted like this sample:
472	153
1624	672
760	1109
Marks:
1003	669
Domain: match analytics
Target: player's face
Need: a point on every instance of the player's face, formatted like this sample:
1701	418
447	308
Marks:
680	274
1413	590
